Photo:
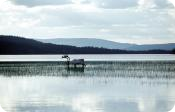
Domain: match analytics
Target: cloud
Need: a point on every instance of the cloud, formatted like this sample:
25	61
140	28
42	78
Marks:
107	4
32	3
99	3
123	4
91	18
146	4
164	4
114	4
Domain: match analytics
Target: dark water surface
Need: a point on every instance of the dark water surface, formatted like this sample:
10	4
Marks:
105	86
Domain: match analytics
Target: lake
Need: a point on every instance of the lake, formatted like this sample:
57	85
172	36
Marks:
101	57
109	83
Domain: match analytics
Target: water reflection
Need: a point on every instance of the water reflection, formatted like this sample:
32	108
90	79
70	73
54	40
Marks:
75	69
73	94
98	88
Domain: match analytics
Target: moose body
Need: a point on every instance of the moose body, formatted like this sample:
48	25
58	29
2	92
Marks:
78	62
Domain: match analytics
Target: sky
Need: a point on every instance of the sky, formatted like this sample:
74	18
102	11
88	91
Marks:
125	21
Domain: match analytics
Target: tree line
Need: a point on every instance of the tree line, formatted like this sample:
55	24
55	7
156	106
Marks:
173	51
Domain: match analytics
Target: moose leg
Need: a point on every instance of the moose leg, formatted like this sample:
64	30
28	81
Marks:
75	65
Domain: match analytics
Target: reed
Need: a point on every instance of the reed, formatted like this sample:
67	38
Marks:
131	69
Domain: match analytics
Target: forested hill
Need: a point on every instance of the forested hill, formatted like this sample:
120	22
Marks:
20	45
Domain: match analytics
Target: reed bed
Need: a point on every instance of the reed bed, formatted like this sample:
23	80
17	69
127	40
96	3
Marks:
131	69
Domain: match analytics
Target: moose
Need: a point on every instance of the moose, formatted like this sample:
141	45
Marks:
74	62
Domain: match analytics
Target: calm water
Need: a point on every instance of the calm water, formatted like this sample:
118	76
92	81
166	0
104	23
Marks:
103	86
102	57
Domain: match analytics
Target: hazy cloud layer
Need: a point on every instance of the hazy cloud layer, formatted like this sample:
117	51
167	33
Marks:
134	21
32	3
111	4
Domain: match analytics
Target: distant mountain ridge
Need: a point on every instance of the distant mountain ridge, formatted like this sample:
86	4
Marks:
19	45
84	42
